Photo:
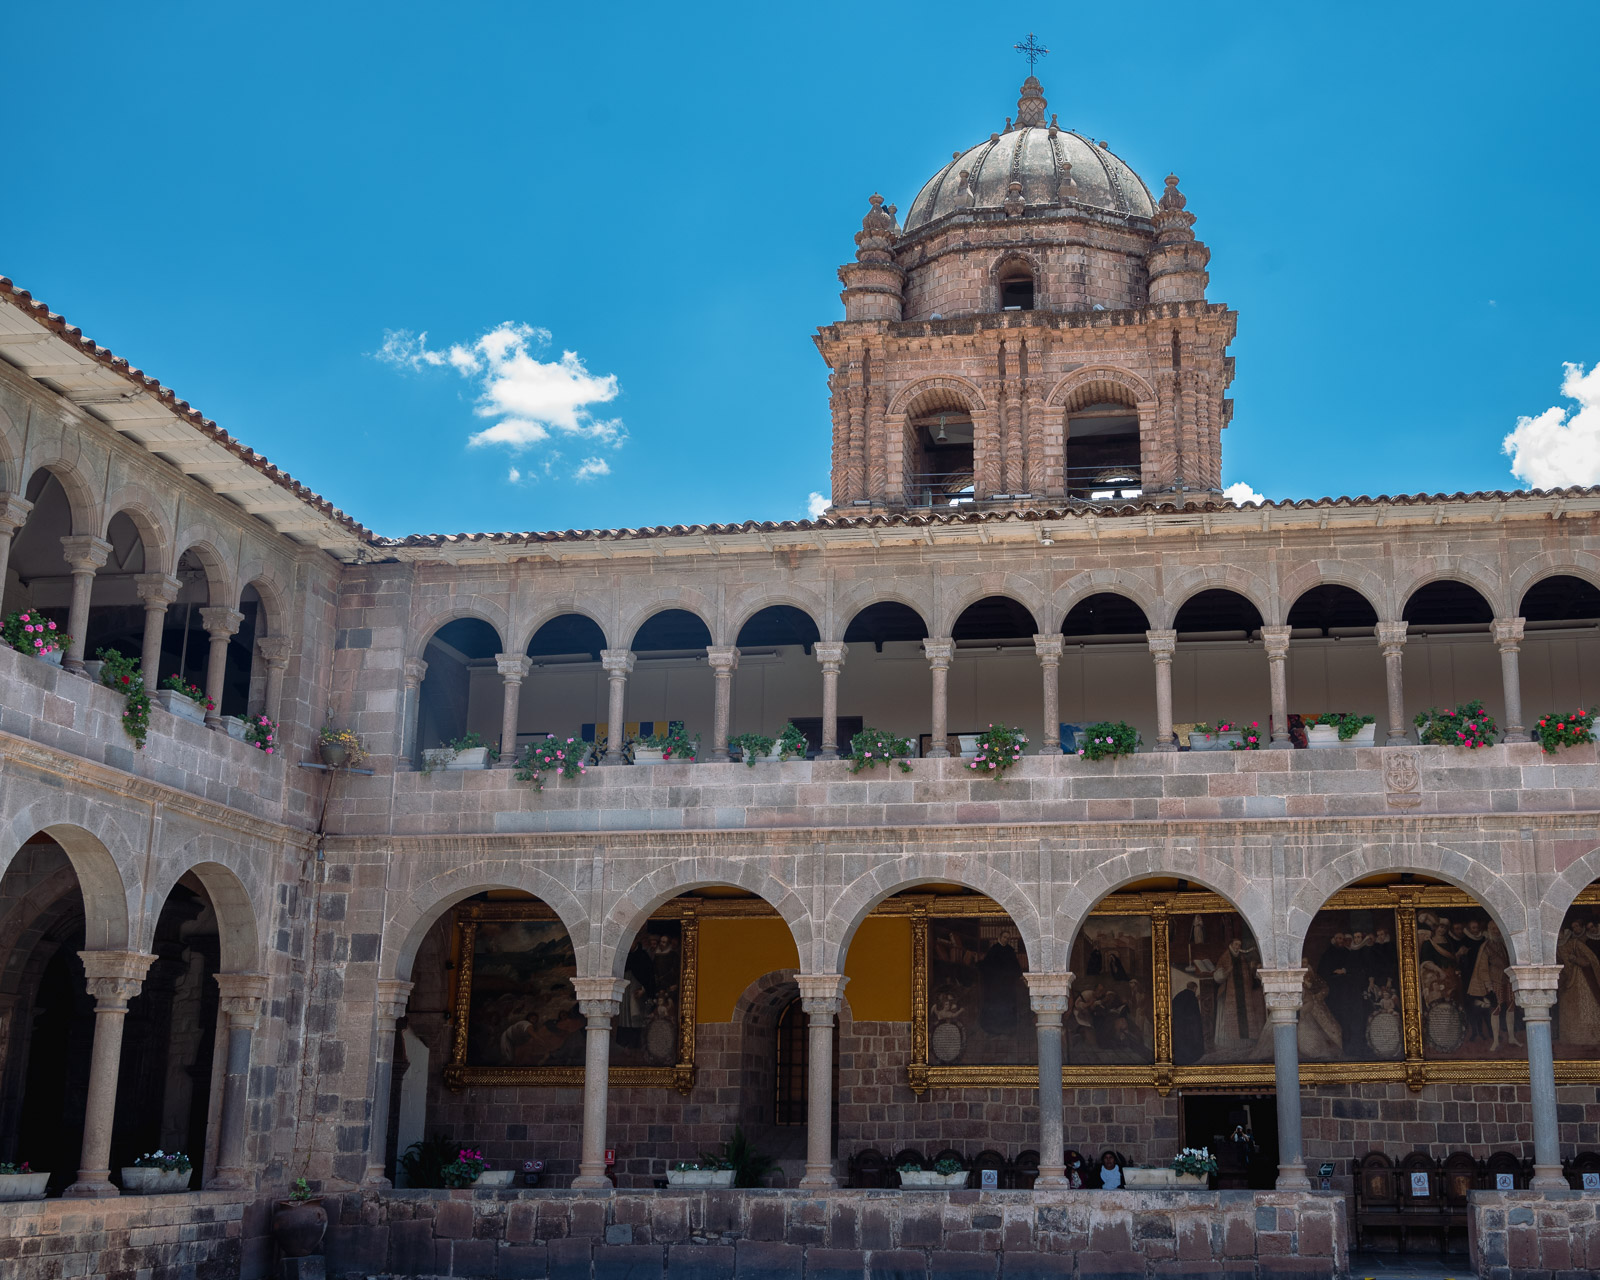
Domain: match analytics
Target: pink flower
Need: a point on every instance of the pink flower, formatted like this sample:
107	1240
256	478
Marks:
269	751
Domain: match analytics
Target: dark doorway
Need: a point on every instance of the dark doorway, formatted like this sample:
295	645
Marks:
1209	1121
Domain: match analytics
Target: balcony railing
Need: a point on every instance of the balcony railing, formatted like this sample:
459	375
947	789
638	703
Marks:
1093	484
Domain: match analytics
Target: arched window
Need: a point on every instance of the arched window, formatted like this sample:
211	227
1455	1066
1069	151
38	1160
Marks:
789	1077
1016	286
1103	452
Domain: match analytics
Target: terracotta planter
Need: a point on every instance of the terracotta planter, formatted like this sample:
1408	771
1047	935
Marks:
23	1186
299	1226
152	1182
179	705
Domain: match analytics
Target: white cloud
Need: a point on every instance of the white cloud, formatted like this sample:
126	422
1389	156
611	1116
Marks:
816	504
1561	446
514	475
533	401
1241	493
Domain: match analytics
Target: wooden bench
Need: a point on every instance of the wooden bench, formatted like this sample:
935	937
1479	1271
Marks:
1421	1195
868	1169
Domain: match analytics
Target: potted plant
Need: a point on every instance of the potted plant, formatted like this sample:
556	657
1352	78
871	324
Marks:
495	1177
1339	729
563	757
156	1172
675	744
945	1173
124	675
757	746
29	631
967	745
739	1158
1468	725
1570	730
463	1171
1225	735
261	734
339	748
704	1172
1105	740
469	751
21	1182
999	747
872	747
1249	737
185	700
299	1221
1194	1167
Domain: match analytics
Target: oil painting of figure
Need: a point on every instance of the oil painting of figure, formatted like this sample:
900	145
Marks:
1351	1003
1111	1019
978	1010
1467	1006
647	1024
524	1010
1218	1011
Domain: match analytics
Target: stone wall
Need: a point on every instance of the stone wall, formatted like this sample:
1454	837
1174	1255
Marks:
198	1236
521	1235
1554	1234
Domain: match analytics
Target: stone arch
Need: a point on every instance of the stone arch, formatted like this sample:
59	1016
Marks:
1013	586
30	919
1557	900
753	601
1548	564
1466	873
1016	258
634	906
203	542
1095	383
1250	897
95	848
421	908
1342	573
869	593
221	866
81	502
1092	582
155	531
685	599
949	384
273	617
549	613
426	623
1191	582
10	453
857	899
1482	578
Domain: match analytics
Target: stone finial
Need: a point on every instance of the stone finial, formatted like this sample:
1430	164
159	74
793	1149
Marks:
1031	105
1067	188
966	194
878	233
1014	203
1172	198
1177	262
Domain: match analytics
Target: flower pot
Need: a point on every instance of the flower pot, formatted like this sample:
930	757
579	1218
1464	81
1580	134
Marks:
333	754
151	1182
53	658
1191	1180
928	1179
699	1177
969	745
1365	736
649	755
1135	1179
235	727
1322	735
183	707
23	1186
299	1226
1216	741
92	668
495	1178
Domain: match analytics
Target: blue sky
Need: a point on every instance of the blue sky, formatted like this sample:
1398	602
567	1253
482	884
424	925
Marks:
245	201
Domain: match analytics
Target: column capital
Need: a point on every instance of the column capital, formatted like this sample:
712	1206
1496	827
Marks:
85	552
1049	648
1508	633
821	994
1283	991
1049	992
1535	988
513	667
1276	640
416	672
617	662
115	977
830	653
1162	644
600	997
242	994
220	621
940	651
392	997
274	651
722	658
157	589
1391	637
14	510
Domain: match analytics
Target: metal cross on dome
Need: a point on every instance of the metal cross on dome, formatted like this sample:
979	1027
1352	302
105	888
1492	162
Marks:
1031	50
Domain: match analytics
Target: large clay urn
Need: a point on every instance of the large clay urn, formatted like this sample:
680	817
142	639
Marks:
299	1226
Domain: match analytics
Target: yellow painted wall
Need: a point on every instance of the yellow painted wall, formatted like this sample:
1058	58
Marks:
733	954
879	969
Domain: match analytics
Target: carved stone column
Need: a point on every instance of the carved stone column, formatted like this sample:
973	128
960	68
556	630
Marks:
222	624
940	651
821	995
1392	643
85	554
158	591
1535	988
831	655
1049	993
1162	645
1276	640
242	994
599	999
1049	650
416	671
1508	639
114	978
514	668
618	663
391	1007
1282	990
274	651
13	515
724	661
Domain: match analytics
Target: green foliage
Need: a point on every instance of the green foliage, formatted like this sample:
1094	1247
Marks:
127	678
1468	725
755	747
193	692
999	747
261	734
438	757
947	1166
739	1154
1348	723
424	1161
566	758
1570	730
171	1161
301	1191
7	1167
675	744
910	1166
872	747
463	1171
1106	739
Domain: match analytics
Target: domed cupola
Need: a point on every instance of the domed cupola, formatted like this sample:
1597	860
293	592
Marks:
1032	167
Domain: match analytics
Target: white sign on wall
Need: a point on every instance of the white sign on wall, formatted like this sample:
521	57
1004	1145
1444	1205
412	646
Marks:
1419	1184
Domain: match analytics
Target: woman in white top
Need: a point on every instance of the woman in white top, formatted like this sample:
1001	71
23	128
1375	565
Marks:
1110	1172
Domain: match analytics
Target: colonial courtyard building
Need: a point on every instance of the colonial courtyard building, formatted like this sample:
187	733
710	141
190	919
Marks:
292	966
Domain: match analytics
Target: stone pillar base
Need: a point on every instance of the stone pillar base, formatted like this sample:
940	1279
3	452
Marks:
1049	1180
1292	1177
240	1180
818	1181
591	1182
97	1189
1546	1178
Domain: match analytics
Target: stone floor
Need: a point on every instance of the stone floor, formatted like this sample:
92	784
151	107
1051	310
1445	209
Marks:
1410	1266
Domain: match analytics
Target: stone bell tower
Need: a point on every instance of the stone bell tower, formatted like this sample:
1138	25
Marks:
1036	334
